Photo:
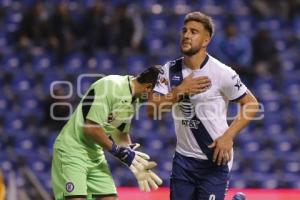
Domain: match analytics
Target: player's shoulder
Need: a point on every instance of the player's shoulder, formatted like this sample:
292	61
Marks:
111	81
173	64
218	67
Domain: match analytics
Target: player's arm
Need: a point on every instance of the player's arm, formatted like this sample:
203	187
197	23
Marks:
136	161
122	138
249	106
95	110
96	107
96	132
145	177
223	145
188	86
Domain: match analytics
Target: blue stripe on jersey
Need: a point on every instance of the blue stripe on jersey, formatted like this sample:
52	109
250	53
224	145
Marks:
202	137
175	72
200	133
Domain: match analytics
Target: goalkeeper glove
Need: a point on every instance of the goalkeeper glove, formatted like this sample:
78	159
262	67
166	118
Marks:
134	146
135	160
146	178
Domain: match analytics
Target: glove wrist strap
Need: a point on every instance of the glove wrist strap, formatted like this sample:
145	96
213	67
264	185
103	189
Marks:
114	149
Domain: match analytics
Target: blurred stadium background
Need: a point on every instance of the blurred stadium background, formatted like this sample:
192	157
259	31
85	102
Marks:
53	40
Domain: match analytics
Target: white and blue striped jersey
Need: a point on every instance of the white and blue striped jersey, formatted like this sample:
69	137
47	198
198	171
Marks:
201	118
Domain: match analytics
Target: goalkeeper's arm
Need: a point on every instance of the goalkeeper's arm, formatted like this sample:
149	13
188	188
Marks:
133	159
121	138
96	132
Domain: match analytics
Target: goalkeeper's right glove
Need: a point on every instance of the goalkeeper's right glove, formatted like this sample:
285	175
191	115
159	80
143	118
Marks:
135	160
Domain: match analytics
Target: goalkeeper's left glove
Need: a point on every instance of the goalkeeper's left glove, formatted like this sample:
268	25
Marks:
135	160
134	146
146	178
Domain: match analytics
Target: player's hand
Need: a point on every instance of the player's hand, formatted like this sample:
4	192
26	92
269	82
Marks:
222	149
150	164
135	160
191	85
147	179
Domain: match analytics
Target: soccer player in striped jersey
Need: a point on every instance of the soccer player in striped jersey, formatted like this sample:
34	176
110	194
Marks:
199	87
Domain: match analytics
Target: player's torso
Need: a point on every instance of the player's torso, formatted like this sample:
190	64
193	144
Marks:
121	111
210	107
122	108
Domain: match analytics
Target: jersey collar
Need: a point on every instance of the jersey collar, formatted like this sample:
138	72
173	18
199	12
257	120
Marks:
202	64
130	89
204	61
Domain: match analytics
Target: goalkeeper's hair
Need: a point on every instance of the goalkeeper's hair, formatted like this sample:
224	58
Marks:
202	18
150	75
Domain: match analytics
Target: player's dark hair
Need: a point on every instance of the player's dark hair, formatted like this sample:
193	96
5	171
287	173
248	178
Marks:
150	75
206	20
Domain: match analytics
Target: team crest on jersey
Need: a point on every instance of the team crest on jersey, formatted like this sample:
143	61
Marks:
69	187
163	81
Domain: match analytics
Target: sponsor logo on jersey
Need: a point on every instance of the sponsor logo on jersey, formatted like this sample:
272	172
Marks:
175	78
193	124
187	108
238	84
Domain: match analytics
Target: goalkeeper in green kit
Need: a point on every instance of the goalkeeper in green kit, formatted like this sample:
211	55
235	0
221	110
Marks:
79	167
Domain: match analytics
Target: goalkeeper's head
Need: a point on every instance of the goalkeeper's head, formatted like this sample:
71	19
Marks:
146	81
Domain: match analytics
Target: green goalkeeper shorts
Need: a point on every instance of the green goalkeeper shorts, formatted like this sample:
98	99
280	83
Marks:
80	176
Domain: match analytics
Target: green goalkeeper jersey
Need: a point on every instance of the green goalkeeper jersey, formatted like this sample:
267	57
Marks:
109	103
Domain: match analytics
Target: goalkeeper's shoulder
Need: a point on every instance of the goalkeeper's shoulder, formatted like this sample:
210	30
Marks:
111	83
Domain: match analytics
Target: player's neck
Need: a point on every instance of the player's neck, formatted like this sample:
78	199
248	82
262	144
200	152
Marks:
133	85
136	87
195	61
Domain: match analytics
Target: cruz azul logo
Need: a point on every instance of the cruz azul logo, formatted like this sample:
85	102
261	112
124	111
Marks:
69	187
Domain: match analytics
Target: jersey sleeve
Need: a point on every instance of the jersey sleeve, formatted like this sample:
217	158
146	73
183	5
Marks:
163	83
232	86
101	104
